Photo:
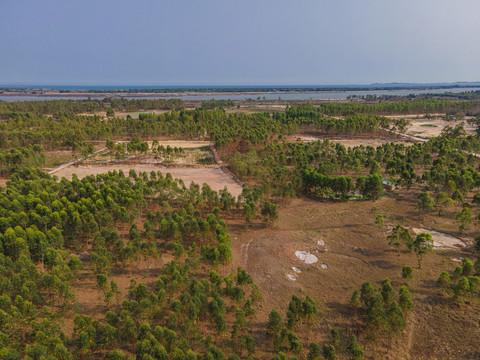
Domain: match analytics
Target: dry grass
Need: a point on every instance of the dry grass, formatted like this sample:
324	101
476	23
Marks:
357	251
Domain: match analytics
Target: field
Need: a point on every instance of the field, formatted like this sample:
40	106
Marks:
350	250
213	175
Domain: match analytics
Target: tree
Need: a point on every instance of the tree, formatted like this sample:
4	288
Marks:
375	314
371	187
355	299
379	221
477	243
407	272
329	352
269	213
248	214
395	318
425	201
461	288
249	344
464	218
422	245
444	280
274	325
314	351
400	236
467	267
457	196
387	292
335	340
367	293
354	349
404	299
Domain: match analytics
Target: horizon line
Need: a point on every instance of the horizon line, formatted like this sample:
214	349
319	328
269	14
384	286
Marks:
132	86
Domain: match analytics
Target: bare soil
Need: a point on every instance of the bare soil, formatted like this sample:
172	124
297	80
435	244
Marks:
424	127
352	142
213	175
352	250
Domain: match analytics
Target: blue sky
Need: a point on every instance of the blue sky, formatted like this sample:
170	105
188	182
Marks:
225	42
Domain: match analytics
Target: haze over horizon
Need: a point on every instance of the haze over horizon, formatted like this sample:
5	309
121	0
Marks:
192	43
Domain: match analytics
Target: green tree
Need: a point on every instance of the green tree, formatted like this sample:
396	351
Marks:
444	280
422	245
269	213
400	236
329	352
425	201
379	221
274	325
464	218
407	272
355	350
405	299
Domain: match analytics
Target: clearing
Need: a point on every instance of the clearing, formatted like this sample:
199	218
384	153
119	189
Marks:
213	175
357	252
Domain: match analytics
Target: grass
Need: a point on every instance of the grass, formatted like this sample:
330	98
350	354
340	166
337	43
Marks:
53	160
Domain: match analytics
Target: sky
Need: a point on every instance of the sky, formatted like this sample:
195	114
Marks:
238	42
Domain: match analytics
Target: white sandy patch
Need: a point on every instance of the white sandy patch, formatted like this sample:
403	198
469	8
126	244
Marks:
306	257
297	270
441	240
428	128
324	266
292	277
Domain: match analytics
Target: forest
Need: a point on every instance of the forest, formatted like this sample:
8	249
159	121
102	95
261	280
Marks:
140	265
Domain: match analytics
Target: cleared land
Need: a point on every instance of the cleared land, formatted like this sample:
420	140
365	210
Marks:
183	166
350	250
213	175
431	127
352	142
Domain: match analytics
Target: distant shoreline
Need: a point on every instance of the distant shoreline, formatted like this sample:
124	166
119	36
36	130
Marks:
203	94
178	91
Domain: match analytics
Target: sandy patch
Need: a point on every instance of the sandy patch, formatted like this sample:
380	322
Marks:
441	240
213	175
292	277
181	143
297	270
306	257
428	128
349	143
185	144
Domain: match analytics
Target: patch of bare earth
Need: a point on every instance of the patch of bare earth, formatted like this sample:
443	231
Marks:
350	251
212	175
